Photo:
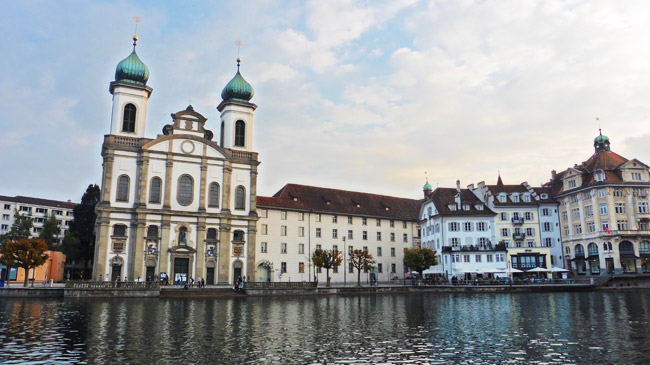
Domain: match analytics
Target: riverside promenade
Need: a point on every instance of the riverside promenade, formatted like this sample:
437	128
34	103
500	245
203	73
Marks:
87	289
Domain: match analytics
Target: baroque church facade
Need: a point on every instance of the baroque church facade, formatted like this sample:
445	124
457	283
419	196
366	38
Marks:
180	203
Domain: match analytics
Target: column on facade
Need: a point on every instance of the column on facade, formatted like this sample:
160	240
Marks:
250	252
204	177
169	165
143	176
164	244
200	248
227	176
137	259
108	176
102	244
223	274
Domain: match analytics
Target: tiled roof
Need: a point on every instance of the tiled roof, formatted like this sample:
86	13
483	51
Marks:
609	162
510	189
303	197
443	197
38	201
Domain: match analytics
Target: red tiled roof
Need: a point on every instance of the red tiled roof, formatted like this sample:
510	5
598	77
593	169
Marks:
38	201
317	199
442	197
608	161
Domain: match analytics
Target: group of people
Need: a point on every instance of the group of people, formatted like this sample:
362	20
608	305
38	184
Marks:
240	284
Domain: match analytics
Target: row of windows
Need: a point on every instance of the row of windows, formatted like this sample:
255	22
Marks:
335	218
625	246
185	193
621	225
351	268
284	249
478	258
119	230
505	232
335	233
504	216
619	208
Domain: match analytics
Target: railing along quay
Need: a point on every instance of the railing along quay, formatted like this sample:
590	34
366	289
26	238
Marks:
279	285
122	285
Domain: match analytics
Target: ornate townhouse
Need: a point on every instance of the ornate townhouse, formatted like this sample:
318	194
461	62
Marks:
299	219
526	223
179	203
461	229
604	213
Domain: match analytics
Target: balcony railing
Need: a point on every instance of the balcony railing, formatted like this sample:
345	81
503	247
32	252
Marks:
518	220
518	236
473	248
279	284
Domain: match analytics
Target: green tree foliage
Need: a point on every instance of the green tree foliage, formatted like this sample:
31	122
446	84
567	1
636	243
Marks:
26	253
83	224
361	260
22	228
419	259
327	259
50	232
71	246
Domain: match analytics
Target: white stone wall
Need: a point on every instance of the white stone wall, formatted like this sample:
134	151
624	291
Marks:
274	238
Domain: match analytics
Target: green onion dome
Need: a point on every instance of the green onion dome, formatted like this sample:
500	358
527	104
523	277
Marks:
601	139
132	69
427	186
238	88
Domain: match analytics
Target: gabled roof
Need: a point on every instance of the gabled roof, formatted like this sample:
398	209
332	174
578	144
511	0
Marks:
495	190
334	201
443	197
607	161
38	201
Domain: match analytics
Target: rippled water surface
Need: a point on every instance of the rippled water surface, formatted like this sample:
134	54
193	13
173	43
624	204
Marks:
596	328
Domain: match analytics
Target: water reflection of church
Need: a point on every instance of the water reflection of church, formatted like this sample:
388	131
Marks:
180	203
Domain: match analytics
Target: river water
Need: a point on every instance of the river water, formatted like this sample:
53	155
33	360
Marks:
596	328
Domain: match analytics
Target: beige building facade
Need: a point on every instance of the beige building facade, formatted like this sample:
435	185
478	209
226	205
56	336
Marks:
604	213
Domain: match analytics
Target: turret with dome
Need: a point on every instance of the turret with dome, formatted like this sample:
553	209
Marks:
237	113
130	96
238	88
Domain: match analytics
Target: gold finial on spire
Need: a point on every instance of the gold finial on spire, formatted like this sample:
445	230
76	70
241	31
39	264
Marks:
136	20
239	44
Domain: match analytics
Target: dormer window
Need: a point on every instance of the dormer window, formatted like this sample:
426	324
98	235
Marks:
502	198
465	206
478	207
515	198
526	198
572	183
636	176
544	196
452	207
599	175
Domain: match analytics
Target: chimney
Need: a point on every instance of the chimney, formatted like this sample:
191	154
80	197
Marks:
458	186
553	174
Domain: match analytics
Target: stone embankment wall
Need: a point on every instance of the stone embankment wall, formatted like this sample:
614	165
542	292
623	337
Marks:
31	293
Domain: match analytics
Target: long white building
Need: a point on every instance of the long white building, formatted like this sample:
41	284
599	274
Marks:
36	208
299	219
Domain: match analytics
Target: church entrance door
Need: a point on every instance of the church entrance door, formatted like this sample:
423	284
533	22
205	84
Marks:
181	269
209	277
116	270
151	273
237	270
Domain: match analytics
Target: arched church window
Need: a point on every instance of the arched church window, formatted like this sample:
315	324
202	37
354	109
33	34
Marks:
154	190
152	231
128	123
119	230
213	195
185	190
240	197
240	133
182	236
123	188
212	234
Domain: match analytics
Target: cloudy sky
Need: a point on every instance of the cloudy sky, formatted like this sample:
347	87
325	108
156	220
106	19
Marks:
357	95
